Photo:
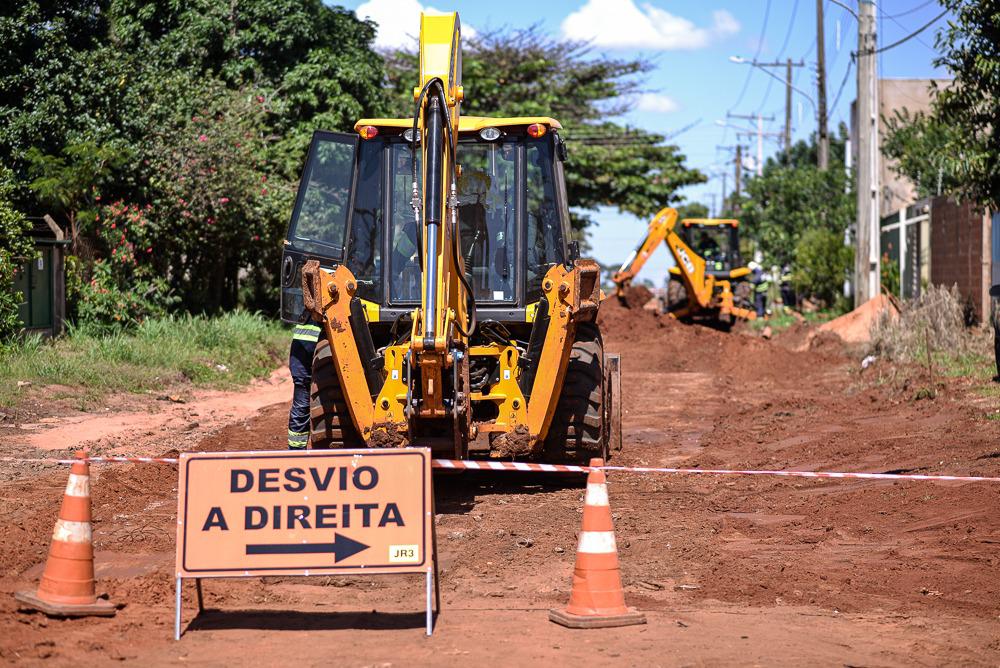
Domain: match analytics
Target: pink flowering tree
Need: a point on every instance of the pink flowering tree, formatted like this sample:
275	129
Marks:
220	211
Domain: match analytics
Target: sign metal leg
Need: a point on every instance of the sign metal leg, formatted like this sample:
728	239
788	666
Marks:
430	614
201	596
177	612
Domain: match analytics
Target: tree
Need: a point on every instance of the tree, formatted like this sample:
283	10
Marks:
792	197
795	213
822	263
81	79
525	73
960	138
15	248
217	211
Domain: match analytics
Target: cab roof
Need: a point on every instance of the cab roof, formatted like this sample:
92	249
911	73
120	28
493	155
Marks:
466	123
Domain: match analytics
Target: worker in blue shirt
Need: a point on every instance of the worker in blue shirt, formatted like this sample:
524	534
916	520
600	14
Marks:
304	338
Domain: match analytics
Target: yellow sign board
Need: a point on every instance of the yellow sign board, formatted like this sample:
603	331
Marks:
304	513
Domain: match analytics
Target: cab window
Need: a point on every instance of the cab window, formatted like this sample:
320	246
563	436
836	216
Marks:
321	212
544	247
487	216
364	254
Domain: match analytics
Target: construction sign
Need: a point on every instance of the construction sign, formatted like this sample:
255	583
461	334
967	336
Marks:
304	513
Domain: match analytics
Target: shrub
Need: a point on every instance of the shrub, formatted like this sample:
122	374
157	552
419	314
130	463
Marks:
936	318
822	262
15	248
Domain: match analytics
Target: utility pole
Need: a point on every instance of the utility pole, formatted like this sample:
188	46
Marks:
823	154
723	206
866	257
788	111
788	65
739	168
760	135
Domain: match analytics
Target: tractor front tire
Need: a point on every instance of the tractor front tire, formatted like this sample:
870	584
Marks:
330	422
577	431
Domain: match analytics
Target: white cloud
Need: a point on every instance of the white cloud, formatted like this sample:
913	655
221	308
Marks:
656	102
620	24
399	22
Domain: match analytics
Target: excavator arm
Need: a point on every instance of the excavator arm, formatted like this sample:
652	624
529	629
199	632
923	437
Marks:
690	264
704	291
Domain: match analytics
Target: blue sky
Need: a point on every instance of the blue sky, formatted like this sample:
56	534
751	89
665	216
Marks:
694	82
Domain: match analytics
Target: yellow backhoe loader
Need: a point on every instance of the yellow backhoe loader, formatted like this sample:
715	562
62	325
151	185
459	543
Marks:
709	283
435	253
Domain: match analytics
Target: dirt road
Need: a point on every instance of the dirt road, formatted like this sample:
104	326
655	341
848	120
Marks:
728	570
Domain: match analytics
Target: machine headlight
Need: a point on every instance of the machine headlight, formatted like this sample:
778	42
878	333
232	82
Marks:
490	134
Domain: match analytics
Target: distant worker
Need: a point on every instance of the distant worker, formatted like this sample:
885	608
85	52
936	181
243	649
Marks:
787	291
300	356
761	284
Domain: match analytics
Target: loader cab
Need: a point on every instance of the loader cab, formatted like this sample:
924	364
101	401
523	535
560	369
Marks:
354	208
716	241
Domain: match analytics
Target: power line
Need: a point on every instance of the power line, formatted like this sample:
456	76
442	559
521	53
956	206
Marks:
910	11
791	24
905	28
847	73
911	35
760	44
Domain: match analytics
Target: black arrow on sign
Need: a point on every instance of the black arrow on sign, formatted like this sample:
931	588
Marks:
342	547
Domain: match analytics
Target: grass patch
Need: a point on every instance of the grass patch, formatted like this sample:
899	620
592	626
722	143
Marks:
779	322
220	352
967	364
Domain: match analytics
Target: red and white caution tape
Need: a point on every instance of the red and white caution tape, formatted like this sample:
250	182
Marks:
489	465
94	460
566	468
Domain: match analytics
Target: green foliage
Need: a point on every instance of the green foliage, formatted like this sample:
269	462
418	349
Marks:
960	138
67	184
922	150
791	197
822	262
217	211
692	210
525	73
81	80
15	248
224	351
890	274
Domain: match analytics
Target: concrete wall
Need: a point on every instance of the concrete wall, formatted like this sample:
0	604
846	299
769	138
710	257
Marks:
895	95
960	251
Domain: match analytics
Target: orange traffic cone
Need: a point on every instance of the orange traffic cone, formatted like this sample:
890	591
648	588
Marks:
67	586
597	599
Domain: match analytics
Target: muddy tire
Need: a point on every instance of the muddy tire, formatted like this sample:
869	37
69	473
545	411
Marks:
743	295
578	432
330	423
677	296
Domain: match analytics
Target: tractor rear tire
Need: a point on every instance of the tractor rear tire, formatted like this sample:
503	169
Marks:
578	432
677	296
330	422
743	295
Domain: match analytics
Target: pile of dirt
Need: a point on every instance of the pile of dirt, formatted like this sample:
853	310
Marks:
651	342
636	296
856	326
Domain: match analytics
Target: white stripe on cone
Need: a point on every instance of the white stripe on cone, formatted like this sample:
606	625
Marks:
597	542
597	494
78	485
71	532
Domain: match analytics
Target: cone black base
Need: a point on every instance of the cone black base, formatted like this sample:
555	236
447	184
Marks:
99	608
572	621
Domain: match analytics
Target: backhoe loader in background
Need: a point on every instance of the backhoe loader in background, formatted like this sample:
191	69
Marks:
708	284
456	314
